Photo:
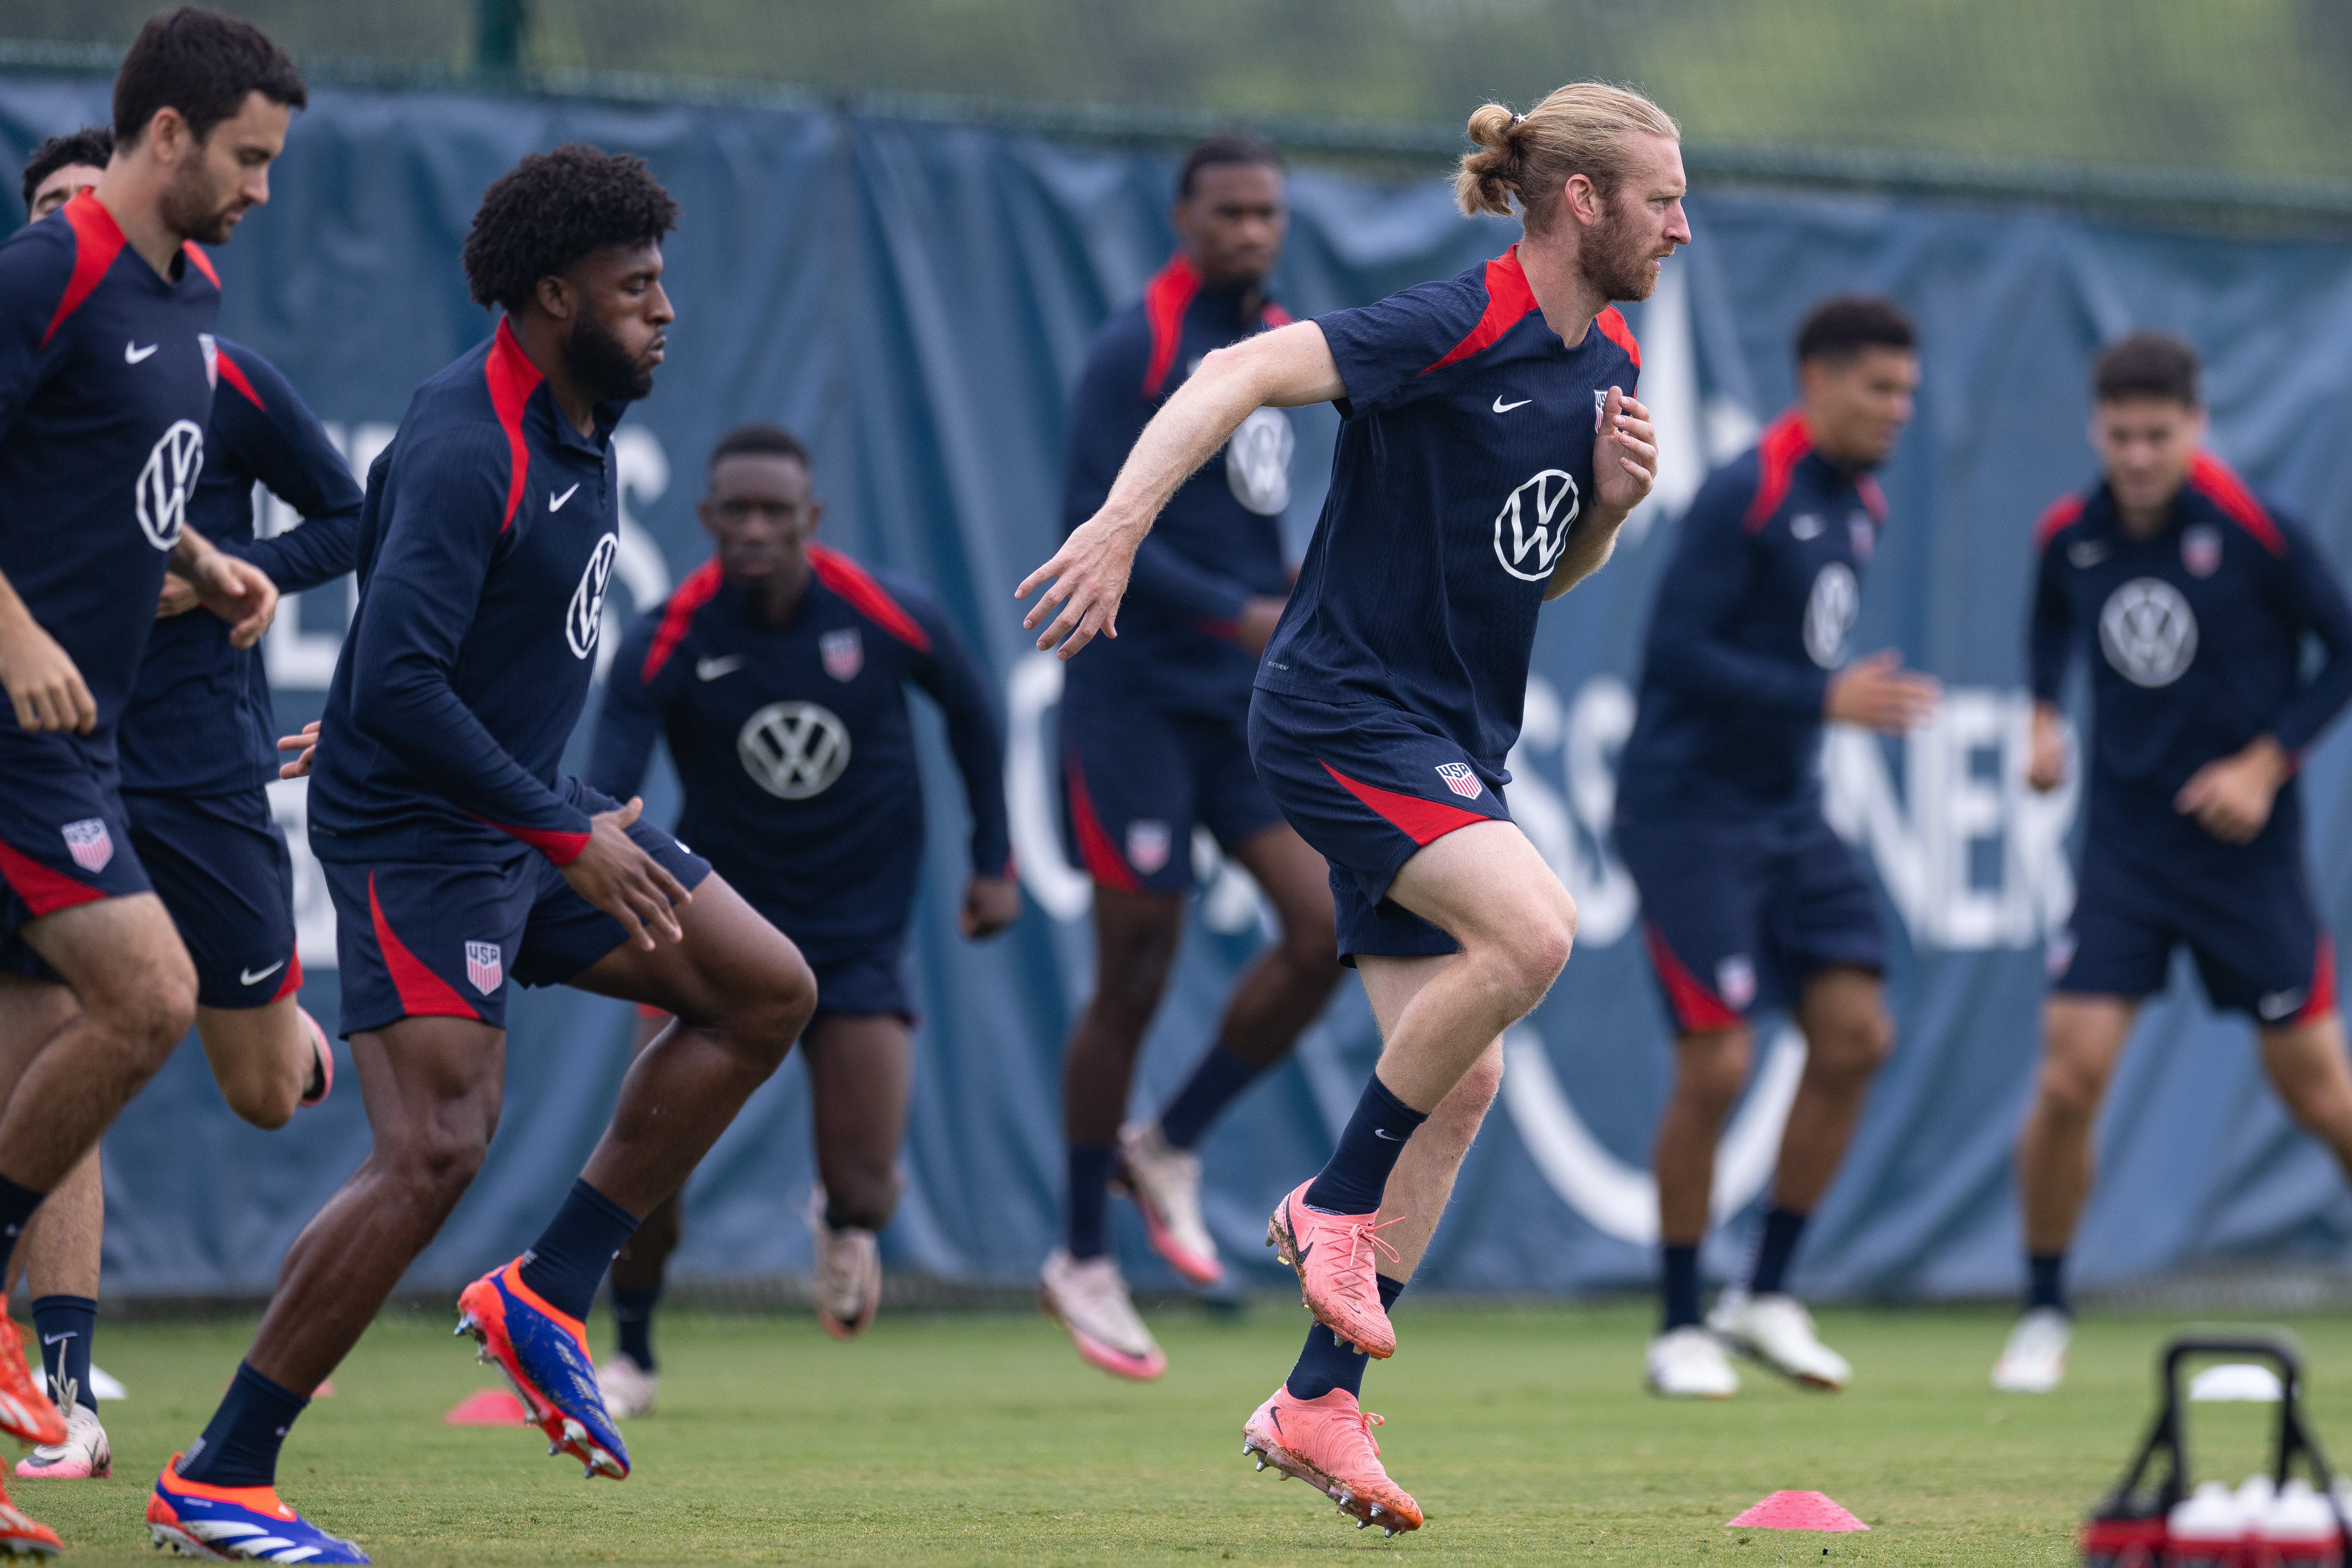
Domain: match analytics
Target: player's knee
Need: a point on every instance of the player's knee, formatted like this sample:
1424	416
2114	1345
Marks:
2069	1093
1128	991
1855	1046
267	1100
771	1011
151	1016
435	1162
1711	1069
1535	948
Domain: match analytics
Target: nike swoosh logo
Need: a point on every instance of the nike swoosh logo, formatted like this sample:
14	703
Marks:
250	978
555	502
132	354
58	1338
1384	1133
2087	554
1503	407
712	669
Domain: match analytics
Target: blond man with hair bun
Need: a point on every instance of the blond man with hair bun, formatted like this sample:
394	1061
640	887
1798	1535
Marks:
1490	448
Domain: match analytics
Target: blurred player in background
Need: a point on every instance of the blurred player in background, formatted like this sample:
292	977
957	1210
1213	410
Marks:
64	166
1752	902
106	367
197	750
458	856
778	673
2192	600
1155	744
1391	693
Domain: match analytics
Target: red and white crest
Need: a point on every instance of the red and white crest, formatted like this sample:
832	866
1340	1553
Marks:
844	652
485	965
88	842
1734	982
211	345
1863	536
2200	550
1147	843
1460	779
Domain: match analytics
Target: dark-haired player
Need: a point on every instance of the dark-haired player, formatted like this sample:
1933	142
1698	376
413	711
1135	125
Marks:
778	673
107	364
458	856
64	166
1750	901
2192	600
1155	741
1390	692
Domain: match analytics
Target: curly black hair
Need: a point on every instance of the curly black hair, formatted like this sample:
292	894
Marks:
91	146
553	208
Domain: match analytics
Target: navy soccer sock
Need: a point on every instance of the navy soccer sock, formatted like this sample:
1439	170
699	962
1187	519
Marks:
633	1323
1220	1076
1329	1362
1375	1135
1089	1200
240	1448
569	1259
2045	1282
65	1324
16	1206
1774	1247
1678	1285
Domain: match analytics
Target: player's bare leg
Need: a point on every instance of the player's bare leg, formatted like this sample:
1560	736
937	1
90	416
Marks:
266	1059
2307	1064
861	1077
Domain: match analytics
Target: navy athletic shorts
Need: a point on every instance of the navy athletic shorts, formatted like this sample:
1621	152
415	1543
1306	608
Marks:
419	939
64	838
1736	916
221	865
2255	933
1136	782
863	982
1368	785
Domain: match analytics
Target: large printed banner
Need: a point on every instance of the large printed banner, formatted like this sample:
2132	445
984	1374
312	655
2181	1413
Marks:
915	300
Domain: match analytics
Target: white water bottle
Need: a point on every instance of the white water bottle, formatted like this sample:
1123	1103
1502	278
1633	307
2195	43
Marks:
2298	1530
2206	1529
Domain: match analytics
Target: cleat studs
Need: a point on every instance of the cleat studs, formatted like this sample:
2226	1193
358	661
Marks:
1363	1524
1388	1531
1260	1463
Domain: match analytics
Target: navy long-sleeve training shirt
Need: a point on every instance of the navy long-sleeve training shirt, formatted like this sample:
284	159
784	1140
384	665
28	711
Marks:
1750	624
1219	541
200	720
486	541
795	747
2195	639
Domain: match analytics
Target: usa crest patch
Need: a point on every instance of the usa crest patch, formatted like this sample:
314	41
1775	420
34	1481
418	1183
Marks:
1148	845
844	652
1735	981
2200	550
485	965
1460	779
88	842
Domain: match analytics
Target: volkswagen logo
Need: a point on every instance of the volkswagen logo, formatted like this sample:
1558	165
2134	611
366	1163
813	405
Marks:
1257	462
1830	612
794	750
2148	632
160	496
584	620
1539	513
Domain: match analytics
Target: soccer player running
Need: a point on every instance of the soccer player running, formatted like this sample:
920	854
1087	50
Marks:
778	673
458	856
1751	901
1488	451
106	361
1155	741
2192	599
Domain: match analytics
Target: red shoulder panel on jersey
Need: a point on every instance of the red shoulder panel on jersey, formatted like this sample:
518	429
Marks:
512	379
423	994
1508	300
2213	479
1165	299
98	240
1874	500
234	373
202	263
1613	326
700	585
869	598
2062	512
1275	315
1696	1009
1784	441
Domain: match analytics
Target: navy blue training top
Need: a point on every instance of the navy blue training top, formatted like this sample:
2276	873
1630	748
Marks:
1464	453
485	545
795	747
1219	540
2195	641
200	720
106	384
1750	621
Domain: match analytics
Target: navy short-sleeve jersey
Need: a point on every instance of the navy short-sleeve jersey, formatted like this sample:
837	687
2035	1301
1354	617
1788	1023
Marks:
1465	454
2195	637
106	385
1751	619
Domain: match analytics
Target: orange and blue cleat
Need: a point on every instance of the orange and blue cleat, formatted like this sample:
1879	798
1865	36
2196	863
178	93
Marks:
22	1537
544	1354
226	1523
25	1413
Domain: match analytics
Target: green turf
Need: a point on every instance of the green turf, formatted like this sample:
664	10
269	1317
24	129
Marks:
1524	1434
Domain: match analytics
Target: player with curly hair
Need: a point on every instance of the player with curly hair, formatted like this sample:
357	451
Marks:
64	166
457	854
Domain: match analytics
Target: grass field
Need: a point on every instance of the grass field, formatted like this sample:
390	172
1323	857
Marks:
981	1439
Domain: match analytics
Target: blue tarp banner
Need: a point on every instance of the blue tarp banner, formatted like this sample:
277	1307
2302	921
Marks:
915	300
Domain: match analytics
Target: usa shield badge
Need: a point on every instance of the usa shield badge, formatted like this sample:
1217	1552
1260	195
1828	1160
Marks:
2200	550
1865	537
1735	981
485	965
1147	846
844	652
1460	779
88	842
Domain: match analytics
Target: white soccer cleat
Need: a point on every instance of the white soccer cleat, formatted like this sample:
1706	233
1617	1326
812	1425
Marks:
2035	1357
628	1388
1165	1183
848	1273
83	1456
1688	1362
1777	1330
1090	1300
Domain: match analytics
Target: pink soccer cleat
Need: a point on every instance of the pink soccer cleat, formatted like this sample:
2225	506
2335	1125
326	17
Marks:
1336	1257
1326	1442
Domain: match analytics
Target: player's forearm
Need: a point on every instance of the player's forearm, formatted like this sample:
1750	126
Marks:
311	556
1590	544
190	553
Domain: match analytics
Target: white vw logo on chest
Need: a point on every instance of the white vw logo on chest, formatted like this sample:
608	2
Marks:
584	621
2148	632
794	750
1537	514
162	492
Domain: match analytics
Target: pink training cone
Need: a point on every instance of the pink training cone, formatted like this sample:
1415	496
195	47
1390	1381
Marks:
1797	1511
491	1407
